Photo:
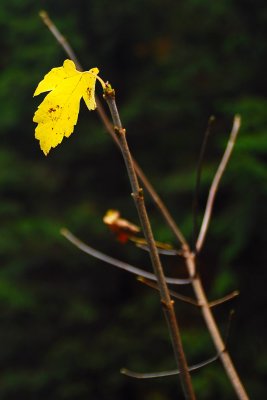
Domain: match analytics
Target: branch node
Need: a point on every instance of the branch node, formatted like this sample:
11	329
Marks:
109	92
139	195
168	305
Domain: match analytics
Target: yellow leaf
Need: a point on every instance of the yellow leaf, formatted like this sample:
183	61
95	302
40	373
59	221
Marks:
57	115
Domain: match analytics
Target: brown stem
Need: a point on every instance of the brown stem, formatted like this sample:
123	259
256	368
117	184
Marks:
214	331
167	303
60	38
187	299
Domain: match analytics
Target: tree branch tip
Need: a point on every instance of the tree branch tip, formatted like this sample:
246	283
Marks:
237	117
237	122
123	371
224	299
132	374
64	231
212	118
43	13
44	16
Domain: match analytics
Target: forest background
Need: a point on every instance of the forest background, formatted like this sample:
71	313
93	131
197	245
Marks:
68	323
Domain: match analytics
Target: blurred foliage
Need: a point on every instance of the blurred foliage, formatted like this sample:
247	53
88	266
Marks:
69	323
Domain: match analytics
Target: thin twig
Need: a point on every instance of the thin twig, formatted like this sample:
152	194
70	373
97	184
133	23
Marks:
227	331
198	178
214	330
166	252
163	374
216	181
60	38
178	296
187	299
222	300
137	194
115	262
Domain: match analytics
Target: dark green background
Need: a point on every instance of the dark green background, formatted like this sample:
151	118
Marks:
68	323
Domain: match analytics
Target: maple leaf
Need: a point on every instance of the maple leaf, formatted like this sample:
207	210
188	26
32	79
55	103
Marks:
57	115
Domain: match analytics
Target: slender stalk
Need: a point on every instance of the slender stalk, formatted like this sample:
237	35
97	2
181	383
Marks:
60	38
167	303
198	177
150	375
187	299
197	284
216	181
117	263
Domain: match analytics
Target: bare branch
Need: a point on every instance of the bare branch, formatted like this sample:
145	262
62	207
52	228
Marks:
179	296
214	330
216	181
116	263
60	38
162	374
198	177
187	299
228	297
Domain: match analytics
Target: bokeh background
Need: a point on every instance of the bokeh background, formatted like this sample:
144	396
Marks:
68	323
